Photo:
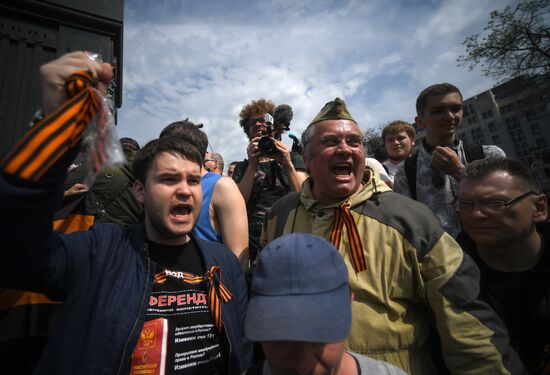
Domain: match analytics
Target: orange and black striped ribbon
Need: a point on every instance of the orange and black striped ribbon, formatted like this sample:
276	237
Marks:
343	217
46	142
216	291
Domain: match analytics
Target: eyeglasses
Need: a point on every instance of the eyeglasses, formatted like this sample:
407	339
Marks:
332	141
490	207
205	160
265	119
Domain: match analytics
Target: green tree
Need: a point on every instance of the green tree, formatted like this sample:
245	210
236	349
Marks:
373	143
515	42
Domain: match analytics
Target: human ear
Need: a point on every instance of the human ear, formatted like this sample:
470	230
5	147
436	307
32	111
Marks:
139	191
419	122
541	205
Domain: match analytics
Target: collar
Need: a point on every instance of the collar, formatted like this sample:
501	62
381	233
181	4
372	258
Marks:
371	183
429	148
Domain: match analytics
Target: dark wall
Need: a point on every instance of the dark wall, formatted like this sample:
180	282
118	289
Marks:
33	32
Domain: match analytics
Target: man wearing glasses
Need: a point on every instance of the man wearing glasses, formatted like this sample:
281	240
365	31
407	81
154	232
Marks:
506	232
271	170
213	162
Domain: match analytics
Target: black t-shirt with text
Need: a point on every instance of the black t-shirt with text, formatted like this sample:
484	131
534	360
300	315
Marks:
180	307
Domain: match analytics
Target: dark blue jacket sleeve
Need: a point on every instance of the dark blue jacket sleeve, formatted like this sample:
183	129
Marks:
34	257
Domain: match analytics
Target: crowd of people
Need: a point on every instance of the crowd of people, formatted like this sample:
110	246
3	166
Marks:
310	259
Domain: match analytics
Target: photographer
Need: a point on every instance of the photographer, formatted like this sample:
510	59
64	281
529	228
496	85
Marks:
271	170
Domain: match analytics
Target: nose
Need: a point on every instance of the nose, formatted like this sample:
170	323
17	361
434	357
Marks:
450	114
477	212
343	146
302	362
183	190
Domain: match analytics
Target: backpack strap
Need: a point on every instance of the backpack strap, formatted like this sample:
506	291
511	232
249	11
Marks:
410	172
291	201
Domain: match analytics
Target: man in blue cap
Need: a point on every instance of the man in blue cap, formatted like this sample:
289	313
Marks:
300	310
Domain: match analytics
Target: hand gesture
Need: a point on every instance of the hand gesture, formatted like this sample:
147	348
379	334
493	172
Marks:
54	74
447	161
76	189
283	154
253	152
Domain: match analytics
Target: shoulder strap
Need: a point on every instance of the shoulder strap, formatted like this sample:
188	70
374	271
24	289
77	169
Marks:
410	172
292	200
473	152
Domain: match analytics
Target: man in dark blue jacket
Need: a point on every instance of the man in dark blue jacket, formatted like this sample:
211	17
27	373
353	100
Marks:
147	298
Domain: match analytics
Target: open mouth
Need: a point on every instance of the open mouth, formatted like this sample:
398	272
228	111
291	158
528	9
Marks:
342	169
181	210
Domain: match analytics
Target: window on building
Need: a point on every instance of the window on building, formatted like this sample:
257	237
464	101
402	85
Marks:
472	109
507	108
466	111
522	148
517	135
513	123
472	119
490	113
492	127
535	128
477	134
530	115
541	143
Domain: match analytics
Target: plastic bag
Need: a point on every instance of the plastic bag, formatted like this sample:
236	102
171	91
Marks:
100	138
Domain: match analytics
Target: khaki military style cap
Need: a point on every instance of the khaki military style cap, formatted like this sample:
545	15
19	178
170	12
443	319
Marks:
334	110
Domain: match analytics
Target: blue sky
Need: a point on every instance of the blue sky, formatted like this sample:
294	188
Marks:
206	59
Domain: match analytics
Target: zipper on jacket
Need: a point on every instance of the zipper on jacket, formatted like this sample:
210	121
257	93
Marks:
230	349
146	293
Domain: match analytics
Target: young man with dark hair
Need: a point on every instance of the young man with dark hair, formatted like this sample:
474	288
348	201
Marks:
432	174
506	231
399	139
223	215
137	298
266	175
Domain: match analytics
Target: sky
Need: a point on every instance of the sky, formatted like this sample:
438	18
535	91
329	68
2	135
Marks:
204	60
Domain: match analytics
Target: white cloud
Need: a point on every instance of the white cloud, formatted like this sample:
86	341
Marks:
205	60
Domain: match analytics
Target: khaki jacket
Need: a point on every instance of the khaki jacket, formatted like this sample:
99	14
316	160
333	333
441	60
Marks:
416	275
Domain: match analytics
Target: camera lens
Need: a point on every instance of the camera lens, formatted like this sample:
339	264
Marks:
266	146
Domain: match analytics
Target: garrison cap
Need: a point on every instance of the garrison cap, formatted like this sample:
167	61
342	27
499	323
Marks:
334	110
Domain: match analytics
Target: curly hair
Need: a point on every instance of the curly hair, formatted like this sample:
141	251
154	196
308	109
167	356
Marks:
259	106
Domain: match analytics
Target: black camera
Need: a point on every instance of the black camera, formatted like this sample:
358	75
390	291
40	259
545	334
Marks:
266	144
275	126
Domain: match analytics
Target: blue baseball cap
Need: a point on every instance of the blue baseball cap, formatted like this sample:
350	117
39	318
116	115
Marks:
299	292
